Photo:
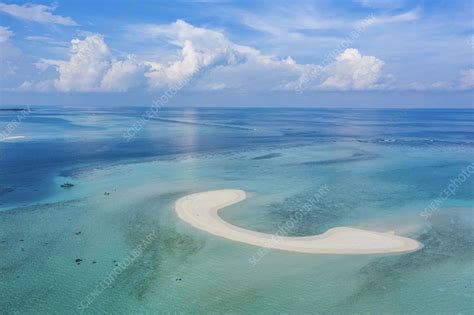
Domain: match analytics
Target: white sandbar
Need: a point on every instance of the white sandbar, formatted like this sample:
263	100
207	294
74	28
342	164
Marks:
12	138
201	211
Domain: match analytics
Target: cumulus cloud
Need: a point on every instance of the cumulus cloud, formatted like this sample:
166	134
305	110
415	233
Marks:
36	13
207	55
352	71
200	50
89	61
91	68
204	50
124	75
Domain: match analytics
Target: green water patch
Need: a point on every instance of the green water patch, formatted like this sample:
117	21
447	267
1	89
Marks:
323	213
437	278
428	181
28	233
167	251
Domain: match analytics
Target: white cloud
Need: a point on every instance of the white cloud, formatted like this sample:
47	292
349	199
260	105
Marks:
124	75
89	61
211	58
426	86
41	86
464	82
412	15
352	71
39	38
200	50
290	21
36	13
349	71
90	68
9	54
5	34
14	65
55	46
299	29
467	79
215	86
385	4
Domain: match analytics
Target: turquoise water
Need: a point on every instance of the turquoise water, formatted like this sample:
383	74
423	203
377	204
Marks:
382	169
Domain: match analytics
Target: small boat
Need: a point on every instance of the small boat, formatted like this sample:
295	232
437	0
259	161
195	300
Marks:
67	185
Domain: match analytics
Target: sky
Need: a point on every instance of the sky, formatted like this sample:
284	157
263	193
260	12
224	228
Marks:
348	53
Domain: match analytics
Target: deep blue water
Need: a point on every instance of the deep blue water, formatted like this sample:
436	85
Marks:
60	139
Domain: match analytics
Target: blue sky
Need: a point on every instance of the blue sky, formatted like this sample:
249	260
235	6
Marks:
361	53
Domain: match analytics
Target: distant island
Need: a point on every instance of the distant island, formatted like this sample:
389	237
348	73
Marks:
13	109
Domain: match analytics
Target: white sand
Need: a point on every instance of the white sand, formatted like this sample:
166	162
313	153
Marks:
12	138
201	211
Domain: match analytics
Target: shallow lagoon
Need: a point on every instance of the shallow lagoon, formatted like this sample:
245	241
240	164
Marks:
382	168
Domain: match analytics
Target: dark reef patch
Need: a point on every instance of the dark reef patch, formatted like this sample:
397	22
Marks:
355	157
167	250
5	190
267	156
322	215
449	237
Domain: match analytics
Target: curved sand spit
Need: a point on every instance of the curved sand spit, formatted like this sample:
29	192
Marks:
201	211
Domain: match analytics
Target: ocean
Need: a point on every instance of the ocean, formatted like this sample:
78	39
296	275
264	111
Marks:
112	243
